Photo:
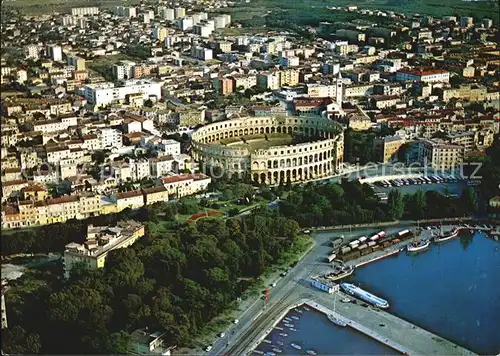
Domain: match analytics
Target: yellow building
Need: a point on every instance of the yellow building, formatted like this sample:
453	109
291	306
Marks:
34	192
101	240
289	77
387	147
155	195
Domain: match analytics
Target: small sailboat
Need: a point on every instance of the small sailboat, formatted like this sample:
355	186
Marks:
277	350
295	317
306	308
311	352
295	346
283	334
289	325
298	310
293	329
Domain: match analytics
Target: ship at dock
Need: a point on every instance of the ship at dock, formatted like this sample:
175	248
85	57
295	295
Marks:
418	245
445	236
364	295
340	271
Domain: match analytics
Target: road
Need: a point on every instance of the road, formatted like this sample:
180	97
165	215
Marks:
284	286
293	287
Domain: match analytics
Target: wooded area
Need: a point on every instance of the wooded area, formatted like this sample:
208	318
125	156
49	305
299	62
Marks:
170	281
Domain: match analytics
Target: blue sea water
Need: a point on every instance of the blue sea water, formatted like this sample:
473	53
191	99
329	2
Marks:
316	332
452	290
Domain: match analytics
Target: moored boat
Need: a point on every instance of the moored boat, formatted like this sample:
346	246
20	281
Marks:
336	321
289	325
364	295
340	272
280	343
445	236
295	346
293	329
277	350
311	352
306	308
283	334
418	246
295	317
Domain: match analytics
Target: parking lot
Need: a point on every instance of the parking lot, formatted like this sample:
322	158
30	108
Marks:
446	185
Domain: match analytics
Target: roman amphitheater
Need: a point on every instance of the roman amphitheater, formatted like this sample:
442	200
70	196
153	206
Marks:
272	149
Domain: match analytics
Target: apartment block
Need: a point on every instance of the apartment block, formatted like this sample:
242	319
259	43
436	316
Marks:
441	155
85	11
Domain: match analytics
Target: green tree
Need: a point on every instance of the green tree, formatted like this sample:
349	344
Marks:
469	200
418	204
395	204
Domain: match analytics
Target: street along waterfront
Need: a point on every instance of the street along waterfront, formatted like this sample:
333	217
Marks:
451	290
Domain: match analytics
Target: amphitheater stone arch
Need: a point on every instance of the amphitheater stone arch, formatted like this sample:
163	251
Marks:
319	157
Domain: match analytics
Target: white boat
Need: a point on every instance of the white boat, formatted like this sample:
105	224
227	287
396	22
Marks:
311	352
418	246
295	346
306	308
364	295
283	334
269	353
289	325
445	236
280	343
295	317
345	300
293	329
298	311
287	318
277	350
336	321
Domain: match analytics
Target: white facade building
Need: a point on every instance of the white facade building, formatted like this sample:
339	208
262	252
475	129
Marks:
84	11
54	52
106	93
424	76
124	70
110	138
31	51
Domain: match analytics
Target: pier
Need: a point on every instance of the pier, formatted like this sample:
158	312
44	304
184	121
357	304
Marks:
382	326
396	333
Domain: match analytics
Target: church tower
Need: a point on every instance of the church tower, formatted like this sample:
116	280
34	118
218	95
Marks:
339	89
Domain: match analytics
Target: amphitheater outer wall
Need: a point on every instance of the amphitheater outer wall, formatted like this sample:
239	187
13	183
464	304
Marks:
321	157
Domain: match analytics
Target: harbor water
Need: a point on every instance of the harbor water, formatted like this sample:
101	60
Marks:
452	290
315	332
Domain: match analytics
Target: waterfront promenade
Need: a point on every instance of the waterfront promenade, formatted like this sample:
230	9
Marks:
395	332
389	329
377	324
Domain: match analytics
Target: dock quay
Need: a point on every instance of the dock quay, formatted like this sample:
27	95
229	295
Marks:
388	329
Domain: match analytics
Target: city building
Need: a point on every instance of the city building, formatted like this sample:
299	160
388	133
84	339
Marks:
440	155
84	11
325	284
424	75
386	148
54	52
143	342
224	86
101	94
100	241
